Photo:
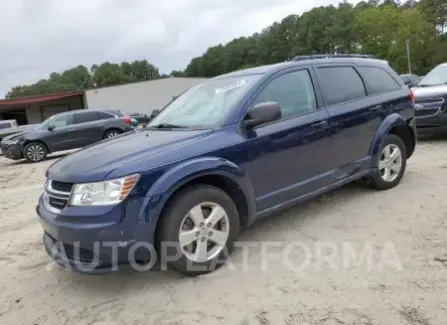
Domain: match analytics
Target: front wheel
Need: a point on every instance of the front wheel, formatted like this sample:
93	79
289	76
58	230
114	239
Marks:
35	152
391	163
197	230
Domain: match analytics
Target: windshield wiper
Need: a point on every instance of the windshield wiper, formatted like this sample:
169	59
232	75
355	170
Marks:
168	126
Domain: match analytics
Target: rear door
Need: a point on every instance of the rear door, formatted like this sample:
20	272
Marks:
353	117
90	124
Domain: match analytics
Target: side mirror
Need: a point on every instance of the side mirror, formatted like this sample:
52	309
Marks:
51	127
262	113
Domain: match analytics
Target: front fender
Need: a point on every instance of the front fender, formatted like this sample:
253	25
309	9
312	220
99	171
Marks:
160	192
388	123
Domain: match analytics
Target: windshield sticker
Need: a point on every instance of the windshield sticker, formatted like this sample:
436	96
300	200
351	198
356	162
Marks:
232	86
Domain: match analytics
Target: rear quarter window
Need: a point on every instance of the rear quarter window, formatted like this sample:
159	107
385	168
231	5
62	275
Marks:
340	84
380	80
5	125
104	115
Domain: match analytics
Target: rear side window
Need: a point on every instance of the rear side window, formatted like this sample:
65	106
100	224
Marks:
5	125
379	80
103	115
294	93
84	117
340	84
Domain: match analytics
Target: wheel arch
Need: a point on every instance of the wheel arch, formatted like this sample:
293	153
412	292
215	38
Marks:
27	142
209	171
395	124
111	128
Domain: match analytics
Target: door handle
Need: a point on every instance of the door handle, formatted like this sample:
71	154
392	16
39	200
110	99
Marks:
376	108
319	125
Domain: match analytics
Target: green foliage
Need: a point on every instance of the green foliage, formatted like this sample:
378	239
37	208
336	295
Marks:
80	78
378	27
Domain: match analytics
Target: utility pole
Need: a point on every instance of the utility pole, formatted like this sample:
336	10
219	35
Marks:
408	56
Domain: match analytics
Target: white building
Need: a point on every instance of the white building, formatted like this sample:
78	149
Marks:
142	97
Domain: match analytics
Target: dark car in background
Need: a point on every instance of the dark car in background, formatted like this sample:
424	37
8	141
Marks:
140	117
430	97
223	155
65	131
410	80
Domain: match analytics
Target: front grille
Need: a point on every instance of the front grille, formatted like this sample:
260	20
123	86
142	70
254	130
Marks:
57	195
426	112
57	203
428	106
61	186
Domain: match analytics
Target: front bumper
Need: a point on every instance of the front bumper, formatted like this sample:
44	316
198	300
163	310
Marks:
435	124
11	150
97	239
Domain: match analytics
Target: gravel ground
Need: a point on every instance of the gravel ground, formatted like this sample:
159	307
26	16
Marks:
353	256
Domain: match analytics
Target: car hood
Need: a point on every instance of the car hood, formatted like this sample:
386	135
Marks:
430	91
95	162
15	135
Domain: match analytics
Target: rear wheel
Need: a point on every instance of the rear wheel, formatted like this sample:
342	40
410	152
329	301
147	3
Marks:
35	152
111	134
197	230
391	163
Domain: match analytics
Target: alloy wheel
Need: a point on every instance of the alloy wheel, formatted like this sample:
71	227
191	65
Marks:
112	134
35	153
390	163
204	232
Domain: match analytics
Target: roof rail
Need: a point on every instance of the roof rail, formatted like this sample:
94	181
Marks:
332	56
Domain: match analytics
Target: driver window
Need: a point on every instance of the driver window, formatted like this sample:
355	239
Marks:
294	93
63	121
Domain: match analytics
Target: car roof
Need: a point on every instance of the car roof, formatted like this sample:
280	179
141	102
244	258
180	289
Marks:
272	68
108	110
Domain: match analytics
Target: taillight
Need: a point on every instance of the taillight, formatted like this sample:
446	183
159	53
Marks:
411	96
128	120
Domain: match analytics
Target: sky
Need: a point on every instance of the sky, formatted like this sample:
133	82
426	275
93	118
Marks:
38	37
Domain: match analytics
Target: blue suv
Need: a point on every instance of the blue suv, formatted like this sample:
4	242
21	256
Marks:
224	154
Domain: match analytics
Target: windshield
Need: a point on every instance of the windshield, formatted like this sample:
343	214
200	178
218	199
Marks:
435	77
205	105
47	122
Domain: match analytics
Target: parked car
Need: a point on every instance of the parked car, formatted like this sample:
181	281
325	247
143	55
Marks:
431	102
65	131
224	154
141	118
410	80
9	127
5	124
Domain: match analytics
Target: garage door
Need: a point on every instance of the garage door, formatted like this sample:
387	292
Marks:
50	110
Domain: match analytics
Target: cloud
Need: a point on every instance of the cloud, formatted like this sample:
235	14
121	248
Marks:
40	37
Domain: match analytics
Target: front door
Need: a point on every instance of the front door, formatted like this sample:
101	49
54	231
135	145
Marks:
289	157
64	135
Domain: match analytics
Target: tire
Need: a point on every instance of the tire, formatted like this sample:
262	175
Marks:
35	152
176	220
395	167
111	134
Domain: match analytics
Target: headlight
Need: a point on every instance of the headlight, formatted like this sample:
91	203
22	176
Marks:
108	192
